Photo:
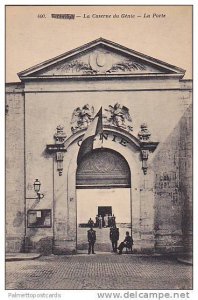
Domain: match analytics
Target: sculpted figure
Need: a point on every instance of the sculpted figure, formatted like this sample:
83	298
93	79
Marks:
81	117
119	116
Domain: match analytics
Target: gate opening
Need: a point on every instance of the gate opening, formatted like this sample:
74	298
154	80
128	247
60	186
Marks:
103	184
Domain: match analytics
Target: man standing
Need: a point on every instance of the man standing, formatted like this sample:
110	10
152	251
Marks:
100	221
114	237
97	221
90	222
109	220
128	242
106	221
113	221
91	236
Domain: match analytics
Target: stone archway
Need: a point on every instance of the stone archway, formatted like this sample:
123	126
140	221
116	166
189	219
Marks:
65	193
103	182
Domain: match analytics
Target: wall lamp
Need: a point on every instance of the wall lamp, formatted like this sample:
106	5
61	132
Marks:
37	186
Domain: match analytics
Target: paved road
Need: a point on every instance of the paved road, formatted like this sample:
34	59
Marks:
100	271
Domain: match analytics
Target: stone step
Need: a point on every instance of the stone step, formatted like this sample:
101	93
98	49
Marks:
103	247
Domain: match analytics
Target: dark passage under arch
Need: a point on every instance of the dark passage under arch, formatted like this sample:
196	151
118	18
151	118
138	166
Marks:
103	168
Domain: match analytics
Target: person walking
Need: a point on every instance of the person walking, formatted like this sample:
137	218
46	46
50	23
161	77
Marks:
91	236
114	237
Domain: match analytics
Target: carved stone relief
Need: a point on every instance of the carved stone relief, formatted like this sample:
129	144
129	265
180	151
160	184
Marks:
103	162
115	115
82	117
103	167
99	65
77	66
119	116
98	62
128	65
59	137
144	134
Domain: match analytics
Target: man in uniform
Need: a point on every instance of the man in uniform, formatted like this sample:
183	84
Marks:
113	221
91	236
128	242
114	237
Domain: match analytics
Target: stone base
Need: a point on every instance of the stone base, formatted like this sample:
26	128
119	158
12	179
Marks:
144	245
42	245
188	242
64	247
169	243
14	244
168	248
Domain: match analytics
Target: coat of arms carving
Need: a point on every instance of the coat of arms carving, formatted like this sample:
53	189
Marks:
82	117
119	116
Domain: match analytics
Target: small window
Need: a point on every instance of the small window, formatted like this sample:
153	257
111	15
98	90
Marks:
39	218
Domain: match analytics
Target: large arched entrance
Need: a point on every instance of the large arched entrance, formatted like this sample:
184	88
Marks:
103	183
119	172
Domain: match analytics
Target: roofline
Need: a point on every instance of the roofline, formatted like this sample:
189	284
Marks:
13	82
91	44
144	55
105	76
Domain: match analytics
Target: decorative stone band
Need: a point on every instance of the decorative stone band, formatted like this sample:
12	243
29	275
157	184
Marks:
144	147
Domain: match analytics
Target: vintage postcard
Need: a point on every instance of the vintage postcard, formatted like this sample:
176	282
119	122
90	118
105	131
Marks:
99	149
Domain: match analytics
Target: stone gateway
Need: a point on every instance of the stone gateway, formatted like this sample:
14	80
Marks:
137	171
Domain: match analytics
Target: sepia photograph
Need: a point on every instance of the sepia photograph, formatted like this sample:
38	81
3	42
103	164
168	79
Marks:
98	147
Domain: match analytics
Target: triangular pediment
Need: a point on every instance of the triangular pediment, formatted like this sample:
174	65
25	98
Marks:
99	58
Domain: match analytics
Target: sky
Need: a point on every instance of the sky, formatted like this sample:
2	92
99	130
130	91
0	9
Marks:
32	38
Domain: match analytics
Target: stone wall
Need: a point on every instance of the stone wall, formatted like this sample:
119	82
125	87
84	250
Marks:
172	166
185	170
15	217
161	200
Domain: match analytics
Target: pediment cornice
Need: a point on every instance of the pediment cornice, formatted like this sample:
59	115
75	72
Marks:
102	59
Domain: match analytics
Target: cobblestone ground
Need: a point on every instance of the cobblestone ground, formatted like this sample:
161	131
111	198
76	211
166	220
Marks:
100	271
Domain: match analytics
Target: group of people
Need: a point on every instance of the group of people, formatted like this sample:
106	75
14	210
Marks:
106	221
114	237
